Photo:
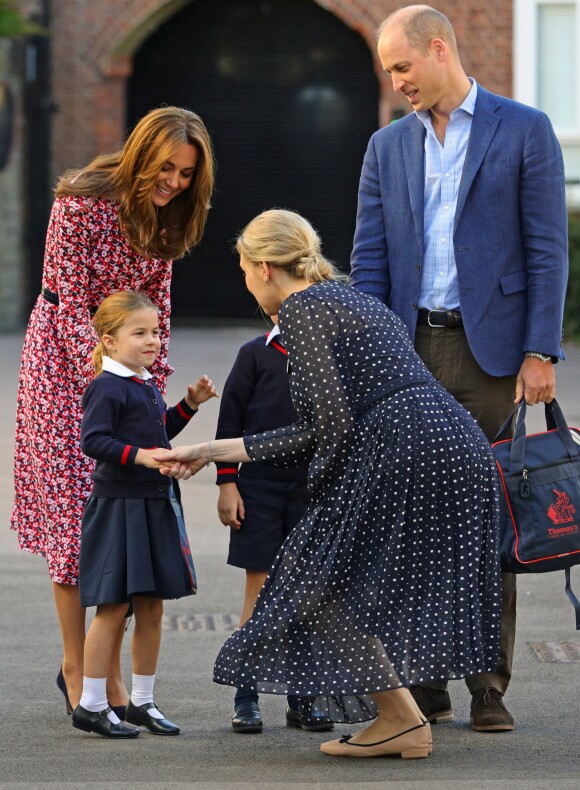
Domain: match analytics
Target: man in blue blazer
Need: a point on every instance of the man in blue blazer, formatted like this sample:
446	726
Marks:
462	231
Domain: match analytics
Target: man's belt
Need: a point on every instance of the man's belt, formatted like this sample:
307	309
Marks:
440	318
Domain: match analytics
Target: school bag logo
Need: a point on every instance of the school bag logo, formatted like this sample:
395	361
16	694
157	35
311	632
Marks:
562	510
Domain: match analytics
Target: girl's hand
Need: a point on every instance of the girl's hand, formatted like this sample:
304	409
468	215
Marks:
182	462
145	458
199	392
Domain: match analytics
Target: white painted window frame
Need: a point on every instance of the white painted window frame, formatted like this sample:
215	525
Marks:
526	60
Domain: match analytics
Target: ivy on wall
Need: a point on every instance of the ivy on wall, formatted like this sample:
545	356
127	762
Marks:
12	23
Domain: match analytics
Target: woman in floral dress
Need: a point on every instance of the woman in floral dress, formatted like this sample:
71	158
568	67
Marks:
392	576
115	225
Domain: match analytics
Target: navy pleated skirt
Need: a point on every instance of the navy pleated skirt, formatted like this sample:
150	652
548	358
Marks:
133	547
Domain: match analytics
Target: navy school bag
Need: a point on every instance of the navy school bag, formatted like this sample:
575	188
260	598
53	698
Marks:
540	497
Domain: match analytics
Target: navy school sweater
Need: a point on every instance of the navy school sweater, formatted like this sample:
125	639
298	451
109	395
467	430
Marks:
120	416
256	398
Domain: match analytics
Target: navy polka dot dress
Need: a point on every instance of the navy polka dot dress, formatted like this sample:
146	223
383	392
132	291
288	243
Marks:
392	577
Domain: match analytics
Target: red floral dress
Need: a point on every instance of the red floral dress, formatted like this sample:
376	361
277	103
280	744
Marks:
86	259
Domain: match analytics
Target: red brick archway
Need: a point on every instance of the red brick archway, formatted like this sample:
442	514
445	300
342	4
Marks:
93	48
93	44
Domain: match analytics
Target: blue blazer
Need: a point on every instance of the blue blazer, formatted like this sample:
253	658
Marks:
510	234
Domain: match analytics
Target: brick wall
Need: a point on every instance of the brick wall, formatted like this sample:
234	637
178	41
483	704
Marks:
12	219
93	43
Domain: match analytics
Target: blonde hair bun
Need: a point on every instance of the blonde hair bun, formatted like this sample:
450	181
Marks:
287	241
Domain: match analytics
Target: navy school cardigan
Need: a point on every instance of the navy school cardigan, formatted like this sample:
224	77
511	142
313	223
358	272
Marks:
120	416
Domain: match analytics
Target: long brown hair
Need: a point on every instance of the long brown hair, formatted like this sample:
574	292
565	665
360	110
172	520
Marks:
112	314
128	176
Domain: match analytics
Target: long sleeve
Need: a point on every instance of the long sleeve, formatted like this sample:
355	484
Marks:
177	417
68	244
103	406
236	395
545	235
369	260
319	385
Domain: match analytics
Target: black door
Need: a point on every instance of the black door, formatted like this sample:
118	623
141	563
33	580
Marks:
290	98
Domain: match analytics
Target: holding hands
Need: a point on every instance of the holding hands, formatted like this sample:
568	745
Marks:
186	461
183	462
197	393
145	458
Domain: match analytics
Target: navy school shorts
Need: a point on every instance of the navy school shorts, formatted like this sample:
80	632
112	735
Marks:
273	508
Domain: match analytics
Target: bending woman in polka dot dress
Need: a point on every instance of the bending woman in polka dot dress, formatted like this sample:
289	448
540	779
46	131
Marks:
392	578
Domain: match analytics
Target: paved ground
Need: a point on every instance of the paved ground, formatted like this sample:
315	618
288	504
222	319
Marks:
39	748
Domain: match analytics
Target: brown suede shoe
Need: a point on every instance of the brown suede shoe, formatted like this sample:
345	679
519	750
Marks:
488	713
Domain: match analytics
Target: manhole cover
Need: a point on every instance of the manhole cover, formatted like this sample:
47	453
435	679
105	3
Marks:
560	652
222	623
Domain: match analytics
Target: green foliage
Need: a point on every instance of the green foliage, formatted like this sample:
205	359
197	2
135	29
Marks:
12	23
572	308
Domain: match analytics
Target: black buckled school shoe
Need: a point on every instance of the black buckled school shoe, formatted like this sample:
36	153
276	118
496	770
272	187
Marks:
98	723
141	717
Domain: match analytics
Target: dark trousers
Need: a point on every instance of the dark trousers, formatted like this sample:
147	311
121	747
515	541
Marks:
489	399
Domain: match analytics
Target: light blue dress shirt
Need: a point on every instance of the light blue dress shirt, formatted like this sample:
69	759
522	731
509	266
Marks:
443	169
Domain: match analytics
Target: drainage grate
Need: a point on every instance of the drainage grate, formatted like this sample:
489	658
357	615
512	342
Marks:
220	623
558	652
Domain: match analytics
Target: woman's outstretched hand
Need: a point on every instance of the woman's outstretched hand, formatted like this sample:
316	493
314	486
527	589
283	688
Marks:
182	462
185	461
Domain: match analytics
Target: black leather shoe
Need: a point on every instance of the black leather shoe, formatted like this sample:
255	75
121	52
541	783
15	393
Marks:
247	717
140	717
488	713
307	719
61	683
87	721
435	704
120	711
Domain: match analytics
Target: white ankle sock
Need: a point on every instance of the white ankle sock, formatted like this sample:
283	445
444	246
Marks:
94	697
142	693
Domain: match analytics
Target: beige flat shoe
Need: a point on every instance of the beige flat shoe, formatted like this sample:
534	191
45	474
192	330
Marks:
414	743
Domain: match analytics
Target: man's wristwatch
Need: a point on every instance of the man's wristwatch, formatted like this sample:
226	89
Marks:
537	355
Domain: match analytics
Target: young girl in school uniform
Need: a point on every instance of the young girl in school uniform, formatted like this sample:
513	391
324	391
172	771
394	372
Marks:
260	503
134	549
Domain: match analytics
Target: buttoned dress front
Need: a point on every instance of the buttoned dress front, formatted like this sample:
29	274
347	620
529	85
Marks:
87	258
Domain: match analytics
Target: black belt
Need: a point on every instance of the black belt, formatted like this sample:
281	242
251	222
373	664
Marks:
440	318
52	297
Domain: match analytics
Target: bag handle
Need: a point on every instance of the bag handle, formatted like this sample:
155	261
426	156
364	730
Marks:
560	422
502	433
573	600
554	417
